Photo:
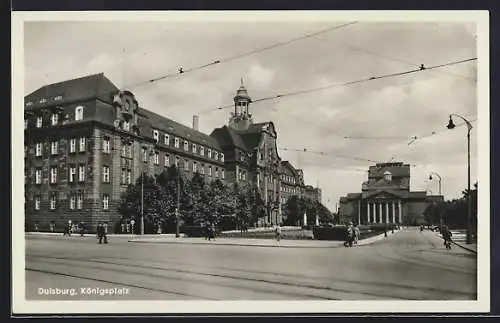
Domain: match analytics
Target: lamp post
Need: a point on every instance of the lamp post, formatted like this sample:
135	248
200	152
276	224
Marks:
450	126
440	214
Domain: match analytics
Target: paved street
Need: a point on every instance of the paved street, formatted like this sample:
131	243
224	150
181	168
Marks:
408	265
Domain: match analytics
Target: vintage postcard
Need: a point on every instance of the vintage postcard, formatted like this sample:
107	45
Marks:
250	162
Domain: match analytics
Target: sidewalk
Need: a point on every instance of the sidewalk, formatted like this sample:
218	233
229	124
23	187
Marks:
127	235
258	242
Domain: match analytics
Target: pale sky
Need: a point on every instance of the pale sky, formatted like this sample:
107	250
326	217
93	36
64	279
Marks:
399	107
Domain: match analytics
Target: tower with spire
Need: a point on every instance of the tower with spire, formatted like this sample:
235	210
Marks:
241	119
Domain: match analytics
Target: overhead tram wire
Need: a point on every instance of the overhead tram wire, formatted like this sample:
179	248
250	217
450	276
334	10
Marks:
306	150
370	52
182	71
348	83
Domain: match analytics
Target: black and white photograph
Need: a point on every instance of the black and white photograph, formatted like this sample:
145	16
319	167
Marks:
237	162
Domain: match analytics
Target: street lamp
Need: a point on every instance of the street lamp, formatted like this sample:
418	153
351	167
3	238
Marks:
439	179
450	126
440	213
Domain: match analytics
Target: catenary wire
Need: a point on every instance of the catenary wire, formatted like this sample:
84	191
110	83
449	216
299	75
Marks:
348	83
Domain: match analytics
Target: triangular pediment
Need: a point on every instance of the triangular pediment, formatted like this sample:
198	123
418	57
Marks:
383	195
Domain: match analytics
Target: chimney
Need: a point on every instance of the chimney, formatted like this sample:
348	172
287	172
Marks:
195	122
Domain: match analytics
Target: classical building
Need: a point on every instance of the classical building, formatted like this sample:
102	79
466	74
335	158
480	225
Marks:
86	141
251	156
386	197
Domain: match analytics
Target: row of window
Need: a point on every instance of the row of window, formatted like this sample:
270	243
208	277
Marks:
54	146
195	149
72	174
289	179
54	118
44	100
126	175
75	202
290	189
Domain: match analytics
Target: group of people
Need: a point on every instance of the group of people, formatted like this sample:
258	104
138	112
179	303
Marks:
209	230
351	235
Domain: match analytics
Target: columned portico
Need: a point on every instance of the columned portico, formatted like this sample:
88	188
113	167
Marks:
380	212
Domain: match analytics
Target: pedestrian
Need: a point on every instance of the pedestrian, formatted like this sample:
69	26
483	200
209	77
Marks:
357	233
349	236
447	237
277	231
36	227
101	233
52	226
67	229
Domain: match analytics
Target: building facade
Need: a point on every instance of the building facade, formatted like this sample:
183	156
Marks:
251	157
386	198
312	193
86	141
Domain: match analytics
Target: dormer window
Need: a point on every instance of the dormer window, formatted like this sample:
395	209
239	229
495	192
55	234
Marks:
216	155
166	140
388	176
156	135
58	98
209	153
194	148
39	122
43	100
54	119
79	113
186	145
176	142
202	150
221	157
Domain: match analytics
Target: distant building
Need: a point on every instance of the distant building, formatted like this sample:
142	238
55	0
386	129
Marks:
86	141
292	181
313	193
386	196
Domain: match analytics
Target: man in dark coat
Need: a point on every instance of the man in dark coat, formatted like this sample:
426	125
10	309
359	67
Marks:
101	233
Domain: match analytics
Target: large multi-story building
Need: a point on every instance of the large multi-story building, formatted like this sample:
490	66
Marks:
86	141
251	156
312	193
386	197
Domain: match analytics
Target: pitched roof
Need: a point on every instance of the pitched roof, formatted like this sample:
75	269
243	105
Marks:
227	137
96	85
151	120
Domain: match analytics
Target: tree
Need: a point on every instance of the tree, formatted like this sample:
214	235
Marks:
151	195
294	210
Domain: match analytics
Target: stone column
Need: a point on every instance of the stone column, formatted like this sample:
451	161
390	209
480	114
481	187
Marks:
386	211
400	213
368	211
393	212
380	212
374	212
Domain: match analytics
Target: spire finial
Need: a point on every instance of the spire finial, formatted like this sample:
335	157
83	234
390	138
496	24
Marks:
242	82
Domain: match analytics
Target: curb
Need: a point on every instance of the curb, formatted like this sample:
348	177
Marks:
464	247
238	244
340	244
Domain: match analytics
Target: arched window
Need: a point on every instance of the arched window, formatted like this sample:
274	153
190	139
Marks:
388	175
79	113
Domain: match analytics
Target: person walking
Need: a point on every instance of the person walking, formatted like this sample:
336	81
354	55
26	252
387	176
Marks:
101	233
67	229
357	233
349	238
277	232
447	237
